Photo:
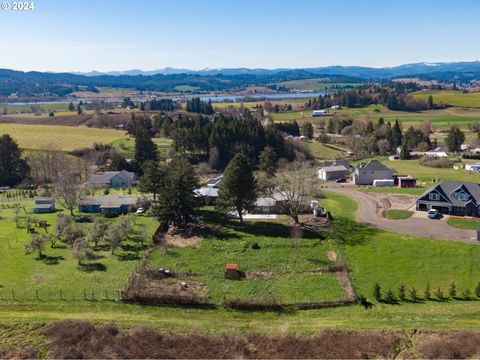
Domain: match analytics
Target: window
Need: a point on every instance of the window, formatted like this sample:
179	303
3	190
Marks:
434	196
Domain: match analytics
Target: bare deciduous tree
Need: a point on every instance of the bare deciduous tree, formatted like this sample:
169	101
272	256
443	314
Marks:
67	190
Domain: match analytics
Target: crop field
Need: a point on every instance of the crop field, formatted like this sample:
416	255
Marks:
64	137
450	97
315	85
25	273
280	268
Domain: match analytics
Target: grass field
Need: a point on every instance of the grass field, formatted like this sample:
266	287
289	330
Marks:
126	146
64	137
450	97
464	223
398	214
286	267
321	151
58	270
315	85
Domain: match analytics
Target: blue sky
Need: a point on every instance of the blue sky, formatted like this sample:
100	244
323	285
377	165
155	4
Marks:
106	35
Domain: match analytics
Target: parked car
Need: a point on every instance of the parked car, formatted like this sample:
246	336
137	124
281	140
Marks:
140	210
342	180
83	219
433	214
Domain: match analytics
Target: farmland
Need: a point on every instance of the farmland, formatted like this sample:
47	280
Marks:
316	84
65	137
450	97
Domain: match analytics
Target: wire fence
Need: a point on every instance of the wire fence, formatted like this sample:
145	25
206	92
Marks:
8	295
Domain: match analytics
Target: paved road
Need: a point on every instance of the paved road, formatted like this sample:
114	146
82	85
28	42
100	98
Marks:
416	226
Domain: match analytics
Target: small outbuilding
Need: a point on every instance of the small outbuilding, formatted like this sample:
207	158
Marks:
44	205
232	272
407	182
333	172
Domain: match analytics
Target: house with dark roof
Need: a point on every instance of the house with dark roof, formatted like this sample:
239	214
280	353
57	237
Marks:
117	204
113	179
367	173
44	205
453	198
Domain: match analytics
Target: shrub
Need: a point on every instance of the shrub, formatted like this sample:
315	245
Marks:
467	294
427	292
477	290
402	290
377	292
390	297
453	290
439	294
435	162
413	294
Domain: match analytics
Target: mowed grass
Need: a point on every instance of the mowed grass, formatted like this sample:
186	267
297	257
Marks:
284	268
25	273
464	223
450	97
64	137
321	151
126	146
396	214
394	259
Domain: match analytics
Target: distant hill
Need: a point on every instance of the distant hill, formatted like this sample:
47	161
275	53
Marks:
354	71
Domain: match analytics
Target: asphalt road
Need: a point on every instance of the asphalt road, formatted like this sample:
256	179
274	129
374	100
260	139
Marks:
368	214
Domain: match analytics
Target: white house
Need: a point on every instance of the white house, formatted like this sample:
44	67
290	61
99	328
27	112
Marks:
366	174
333	172
439	154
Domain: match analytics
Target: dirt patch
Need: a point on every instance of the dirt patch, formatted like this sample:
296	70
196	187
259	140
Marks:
332	255
78	339
181	241
39	277
448	345
395	201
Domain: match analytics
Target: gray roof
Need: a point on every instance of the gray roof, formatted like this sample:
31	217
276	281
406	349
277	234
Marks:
43	206
446	188
105	177
334	168
109	200
214	181
207	191
265	201
373	165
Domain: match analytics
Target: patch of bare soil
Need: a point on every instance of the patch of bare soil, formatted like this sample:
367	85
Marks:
448	345
395	201
79	339
176	237
39	277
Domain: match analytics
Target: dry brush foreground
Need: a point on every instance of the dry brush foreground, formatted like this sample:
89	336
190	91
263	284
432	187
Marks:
81	339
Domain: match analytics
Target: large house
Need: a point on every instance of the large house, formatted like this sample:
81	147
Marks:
452	197
367	173
117	204
209	192
113	179
44	205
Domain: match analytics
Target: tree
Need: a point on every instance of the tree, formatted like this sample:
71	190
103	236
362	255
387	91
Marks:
13	169
455	139
307	130
79	109
402	292
477	290
37	244
152	178
413	294
238	187
67	190
404	153
427	292
71	107
377	292
115	236
176	202
72	233
98	231
145	148
268	161
323	138
430	102
291	187
396	135
453	290
82	252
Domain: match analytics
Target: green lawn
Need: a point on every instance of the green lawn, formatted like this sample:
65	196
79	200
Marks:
471	224
286	267
450	97
398	214
394	190
321	151
393	259
58	270
126	146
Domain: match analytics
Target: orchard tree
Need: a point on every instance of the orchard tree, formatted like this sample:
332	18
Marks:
67	190
238	189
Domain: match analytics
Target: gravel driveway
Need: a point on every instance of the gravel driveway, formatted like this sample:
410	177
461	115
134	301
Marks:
416	226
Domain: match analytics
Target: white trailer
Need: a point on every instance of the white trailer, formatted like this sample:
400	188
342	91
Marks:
383	182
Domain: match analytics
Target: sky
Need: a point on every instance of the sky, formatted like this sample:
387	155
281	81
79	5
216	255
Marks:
109	35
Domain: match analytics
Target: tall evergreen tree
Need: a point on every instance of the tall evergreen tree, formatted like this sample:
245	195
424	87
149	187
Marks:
152	178
268	161
455	139
238	187
396	135
145	148
13	169
307	130
176	202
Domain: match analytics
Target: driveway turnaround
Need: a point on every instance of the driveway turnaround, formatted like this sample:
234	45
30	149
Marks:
369	214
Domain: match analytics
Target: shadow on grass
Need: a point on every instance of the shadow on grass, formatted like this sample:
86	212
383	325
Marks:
51	260
128	256
351	233
90	267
